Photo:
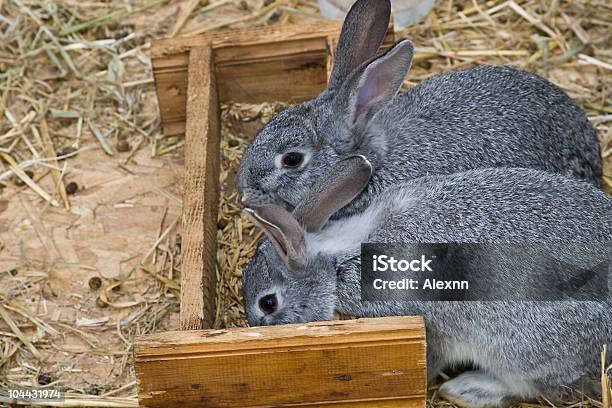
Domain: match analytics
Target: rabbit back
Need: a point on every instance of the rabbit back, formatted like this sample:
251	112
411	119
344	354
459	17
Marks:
494	205
547	342
494	116
500	116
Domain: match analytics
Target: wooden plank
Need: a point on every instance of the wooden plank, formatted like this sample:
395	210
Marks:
201	193
291	80
292	77
242	37
358	363
275	63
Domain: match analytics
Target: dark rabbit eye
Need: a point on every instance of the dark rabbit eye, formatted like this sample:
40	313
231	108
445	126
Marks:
268	304
292	159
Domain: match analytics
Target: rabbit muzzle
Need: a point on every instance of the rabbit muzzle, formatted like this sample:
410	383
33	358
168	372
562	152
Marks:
252	197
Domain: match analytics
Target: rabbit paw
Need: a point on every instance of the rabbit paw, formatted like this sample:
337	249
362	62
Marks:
475	390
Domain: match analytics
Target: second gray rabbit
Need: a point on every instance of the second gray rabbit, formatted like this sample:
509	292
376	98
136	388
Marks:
493	116
519	349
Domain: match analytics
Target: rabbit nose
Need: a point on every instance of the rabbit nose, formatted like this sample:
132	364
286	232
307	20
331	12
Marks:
250	195
243	179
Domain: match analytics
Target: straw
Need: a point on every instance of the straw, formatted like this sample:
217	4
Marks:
98	21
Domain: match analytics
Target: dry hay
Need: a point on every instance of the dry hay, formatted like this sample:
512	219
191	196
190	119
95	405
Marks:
77	105
237	237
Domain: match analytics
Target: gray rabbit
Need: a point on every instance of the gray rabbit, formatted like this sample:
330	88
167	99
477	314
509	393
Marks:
520	349
493	116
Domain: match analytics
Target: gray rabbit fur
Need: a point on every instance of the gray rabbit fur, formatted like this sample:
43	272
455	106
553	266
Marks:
491	116
520	349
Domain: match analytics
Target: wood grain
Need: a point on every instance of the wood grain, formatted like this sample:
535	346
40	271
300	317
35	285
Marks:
276	63
358	363
332	43
201	193
251	36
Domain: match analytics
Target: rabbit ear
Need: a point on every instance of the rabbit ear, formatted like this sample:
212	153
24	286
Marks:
375	83
362	33
285	232
341	184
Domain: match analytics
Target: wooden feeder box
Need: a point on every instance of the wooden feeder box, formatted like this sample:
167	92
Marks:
366	363
358	363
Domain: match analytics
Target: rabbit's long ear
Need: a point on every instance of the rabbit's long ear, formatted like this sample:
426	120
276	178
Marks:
374	84
345	181
285	232
362	33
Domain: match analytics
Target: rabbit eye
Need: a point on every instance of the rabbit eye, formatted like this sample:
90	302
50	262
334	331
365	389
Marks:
292	159
268	304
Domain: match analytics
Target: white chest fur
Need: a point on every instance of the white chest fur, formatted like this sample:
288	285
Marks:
344	235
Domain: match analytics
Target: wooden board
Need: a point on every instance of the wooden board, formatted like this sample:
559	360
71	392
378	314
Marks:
201	193
285	63
358	363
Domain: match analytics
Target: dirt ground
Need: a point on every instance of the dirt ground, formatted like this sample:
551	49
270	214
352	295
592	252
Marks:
84	272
